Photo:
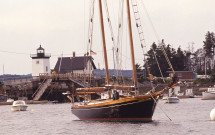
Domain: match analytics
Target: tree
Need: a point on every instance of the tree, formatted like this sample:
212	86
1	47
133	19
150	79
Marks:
179	60
209	44
156	53
139	72
209	49
151	62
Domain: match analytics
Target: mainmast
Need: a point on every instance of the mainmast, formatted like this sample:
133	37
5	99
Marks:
104	44
131	46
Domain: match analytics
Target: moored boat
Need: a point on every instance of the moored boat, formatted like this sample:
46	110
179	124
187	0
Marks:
126	108
170	99
138	108
10	100
209	94
19	105
112	106
188	94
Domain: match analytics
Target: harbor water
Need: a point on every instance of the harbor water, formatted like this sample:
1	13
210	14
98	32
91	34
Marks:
189	117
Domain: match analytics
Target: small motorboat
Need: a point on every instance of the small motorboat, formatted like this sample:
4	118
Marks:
209	95
170	99
10	100
19	105
188	94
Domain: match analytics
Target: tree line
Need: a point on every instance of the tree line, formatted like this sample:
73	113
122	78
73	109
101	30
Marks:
200	61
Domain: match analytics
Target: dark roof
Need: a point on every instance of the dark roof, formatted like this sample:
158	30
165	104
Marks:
68	64
40	48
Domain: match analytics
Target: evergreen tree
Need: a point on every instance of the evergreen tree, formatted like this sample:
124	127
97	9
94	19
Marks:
199	58
209	44
152	63
139	72
179	60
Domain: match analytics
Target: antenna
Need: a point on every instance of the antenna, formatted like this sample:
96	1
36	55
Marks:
3	72
98	65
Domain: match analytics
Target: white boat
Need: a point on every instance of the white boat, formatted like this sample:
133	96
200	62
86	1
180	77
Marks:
210	94
10	100
170	99
188	94
19	105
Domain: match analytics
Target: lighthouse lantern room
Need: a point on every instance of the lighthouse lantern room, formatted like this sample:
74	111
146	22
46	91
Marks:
40	62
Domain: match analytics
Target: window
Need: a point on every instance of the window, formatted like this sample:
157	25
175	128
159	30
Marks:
37	62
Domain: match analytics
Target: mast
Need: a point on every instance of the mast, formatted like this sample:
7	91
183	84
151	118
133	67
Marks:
104	44
131	46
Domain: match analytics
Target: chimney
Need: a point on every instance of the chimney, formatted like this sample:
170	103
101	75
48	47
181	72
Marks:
73	54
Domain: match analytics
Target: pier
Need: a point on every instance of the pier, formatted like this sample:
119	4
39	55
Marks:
48	86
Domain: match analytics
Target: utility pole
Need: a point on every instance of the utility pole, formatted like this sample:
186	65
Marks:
3	72
205	65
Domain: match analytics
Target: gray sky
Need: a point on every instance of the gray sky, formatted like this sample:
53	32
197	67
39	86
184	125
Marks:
61	26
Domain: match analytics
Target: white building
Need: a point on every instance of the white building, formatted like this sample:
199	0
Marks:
40	62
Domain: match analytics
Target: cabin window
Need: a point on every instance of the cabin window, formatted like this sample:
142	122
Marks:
37	62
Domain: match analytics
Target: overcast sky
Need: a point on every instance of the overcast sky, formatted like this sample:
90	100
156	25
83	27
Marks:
61	26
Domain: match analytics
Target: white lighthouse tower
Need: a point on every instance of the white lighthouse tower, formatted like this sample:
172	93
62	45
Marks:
40	62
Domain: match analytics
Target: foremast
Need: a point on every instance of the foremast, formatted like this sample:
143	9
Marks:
131	45
104	43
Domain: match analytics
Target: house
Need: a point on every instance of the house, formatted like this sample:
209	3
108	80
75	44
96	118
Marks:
183	75
79	65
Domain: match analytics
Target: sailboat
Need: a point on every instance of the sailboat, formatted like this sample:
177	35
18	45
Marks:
112	106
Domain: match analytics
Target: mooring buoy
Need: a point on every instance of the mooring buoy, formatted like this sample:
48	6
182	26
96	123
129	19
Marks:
212	114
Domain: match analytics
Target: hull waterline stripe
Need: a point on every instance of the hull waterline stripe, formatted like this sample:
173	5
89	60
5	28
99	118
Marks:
116	118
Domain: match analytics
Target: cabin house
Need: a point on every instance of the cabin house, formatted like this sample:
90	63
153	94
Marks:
183	75
79	65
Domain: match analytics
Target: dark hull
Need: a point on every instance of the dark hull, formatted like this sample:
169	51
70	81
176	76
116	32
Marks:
135	110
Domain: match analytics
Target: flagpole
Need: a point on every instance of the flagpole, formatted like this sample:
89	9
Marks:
3	72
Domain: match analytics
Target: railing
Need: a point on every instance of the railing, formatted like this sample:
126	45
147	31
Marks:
42	89
65	76
38	88
36	55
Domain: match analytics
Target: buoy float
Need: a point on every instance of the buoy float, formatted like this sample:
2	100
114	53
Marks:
212	114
